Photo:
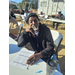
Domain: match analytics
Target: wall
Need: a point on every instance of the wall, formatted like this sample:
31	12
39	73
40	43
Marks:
50	7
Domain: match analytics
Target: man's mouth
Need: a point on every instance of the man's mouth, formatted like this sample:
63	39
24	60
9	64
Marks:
34	28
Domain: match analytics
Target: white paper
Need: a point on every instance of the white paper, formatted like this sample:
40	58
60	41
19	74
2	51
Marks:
21	58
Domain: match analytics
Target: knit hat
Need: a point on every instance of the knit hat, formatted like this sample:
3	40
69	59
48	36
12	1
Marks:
31	15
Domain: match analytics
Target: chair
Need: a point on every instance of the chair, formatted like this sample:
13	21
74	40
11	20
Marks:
57	38
20	27
17	15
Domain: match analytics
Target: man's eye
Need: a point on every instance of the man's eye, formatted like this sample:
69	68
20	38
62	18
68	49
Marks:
30	21
35	20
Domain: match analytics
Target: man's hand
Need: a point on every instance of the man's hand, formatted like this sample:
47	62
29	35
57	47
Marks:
30	30
34	58
58	19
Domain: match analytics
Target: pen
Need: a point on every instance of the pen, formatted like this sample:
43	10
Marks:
39	71
28	66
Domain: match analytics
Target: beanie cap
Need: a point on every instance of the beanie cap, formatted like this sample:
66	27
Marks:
31	15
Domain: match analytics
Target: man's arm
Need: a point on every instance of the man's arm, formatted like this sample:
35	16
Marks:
62	17
49	50
57	17
23	40
34	58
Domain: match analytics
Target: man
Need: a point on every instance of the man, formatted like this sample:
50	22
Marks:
13	27
40	38
26	14
60	17
22	12
12	13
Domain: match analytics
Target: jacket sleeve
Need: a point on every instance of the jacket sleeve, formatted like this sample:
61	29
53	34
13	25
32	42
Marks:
23	39
62	17
49	50
57	16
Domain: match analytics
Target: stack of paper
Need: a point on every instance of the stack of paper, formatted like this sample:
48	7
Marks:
21	58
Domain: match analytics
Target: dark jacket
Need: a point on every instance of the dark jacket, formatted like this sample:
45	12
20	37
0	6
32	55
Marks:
45	41
61	17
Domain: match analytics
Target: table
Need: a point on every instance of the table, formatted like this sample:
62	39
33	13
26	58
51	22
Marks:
20	15
13	70
41	16
17	15
55	20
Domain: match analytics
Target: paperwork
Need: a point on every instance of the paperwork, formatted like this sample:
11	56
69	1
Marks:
21	58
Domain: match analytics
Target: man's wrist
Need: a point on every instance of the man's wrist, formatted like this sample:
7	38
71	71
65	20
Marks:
40	54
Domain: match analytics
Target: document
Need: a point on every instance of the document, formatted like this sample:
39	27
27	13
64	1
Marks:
21	58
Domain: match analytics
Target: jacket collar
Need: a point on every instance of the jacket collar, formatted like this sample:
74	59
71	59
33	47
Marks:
40	29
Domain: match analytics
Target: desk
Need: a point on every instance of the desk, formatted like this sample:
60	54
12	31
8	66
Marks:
55	20
13	70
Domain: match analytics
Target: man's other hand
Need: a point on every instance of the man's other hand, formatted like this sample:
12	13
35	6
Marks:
34	58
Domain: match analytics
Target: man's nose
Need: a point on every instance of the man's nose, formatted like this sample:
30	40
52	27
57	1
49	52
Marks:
33	22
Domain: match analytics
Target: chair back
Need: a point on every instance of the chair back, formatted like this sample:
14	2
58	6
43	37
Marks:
20	26
23	17
57	38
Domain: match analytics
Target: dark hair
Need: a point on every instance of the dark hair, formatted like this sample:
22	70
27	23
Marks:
31	15
59	12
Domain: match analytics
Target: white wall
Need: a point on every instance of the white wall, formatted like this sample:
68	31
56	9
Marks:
44	7
63	10
51	7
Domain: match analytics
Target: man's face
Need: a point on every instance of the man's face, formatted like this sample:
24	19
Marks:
34	23
59	14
